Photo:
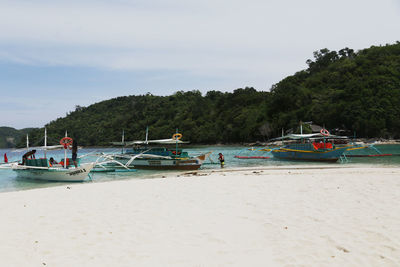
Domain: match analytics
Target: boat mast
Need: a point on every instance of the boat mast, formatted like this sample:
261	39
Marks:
65	152
147	134
123	139
45	142
301	132
176	142
301	127
27	142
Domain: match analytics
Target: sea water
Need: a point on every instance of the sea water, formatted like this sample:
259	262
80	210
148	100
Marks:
10	182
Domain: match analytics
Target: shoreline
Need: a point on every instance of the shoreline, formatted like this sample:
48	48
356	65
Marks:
270	216
201	172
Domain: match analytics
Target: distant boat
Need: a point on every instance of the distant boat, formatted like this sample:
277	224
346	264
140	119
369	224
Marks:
311	147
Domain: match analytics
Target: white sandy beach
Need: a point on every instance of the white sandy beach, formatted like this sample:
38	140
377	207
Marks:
341	215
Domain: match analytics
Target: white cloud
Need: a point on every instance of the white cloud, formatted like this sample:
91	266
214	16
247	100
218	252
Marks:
187	35
226	43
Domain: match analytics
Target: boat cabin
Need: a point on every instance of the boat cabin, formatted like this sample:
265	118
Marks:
43	162
160	151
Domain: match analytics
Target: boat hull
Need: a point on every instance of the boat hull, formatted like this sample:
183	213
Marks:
161	163
54	174
164	164
288	153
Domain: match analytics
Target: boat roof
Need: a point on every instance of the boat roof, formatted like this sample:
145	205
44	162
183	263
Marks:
309	136
159	141
56	147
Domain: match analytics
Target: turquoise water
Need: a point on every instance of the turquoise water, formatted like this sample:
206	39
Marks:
9	181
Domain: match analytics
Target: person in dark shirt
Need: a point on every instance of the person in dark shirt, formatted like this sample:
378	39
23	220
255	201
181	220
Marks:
75	152
30	154
221	159
52	162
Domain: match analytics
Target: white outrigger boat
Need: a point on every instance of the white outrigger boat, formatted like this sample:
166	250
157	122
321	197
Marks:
42	169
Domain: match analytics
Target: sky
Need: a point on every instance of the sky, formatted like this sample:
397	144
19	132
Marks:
55	55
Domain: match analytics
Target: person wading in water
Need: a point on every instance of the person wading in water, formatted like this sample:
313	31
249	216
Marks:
221	159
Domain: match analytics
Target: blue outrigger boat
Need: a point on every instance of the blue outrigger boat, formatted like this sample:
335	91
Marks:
311	147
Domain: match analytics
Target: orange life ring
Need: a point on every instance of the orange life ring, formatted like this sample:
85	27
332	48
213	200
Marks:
324	132
177	136
66	141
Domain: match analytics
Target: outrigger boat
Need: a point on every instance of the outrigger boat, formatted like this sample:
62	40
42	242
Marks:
311	147
144	156
42	169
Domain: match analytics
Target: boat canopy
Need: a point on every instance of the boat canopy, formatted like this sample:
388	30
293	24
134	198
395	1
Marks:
160	141
56	147
308	136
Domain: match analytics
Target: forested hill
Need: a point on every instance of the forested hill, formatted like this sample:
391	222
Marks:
358	91
10	136
215	117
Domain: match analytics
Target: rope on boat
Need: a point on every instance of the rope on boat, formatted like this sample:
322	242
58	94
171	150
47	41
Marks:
251	157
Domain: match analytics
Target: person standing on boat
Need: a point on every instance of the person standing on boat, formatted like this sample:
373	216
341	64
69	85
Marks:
30	154
221	159
75	152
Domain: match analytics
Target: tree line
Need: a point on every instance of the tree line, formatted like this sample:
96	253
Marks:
10	136
357	91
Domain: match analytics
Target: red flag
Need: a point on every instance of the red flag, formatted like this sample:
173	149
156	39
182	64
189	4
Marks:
5	158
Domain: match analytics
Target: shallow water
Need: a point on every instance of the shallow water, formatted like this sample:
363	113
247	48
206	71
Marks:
9	181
